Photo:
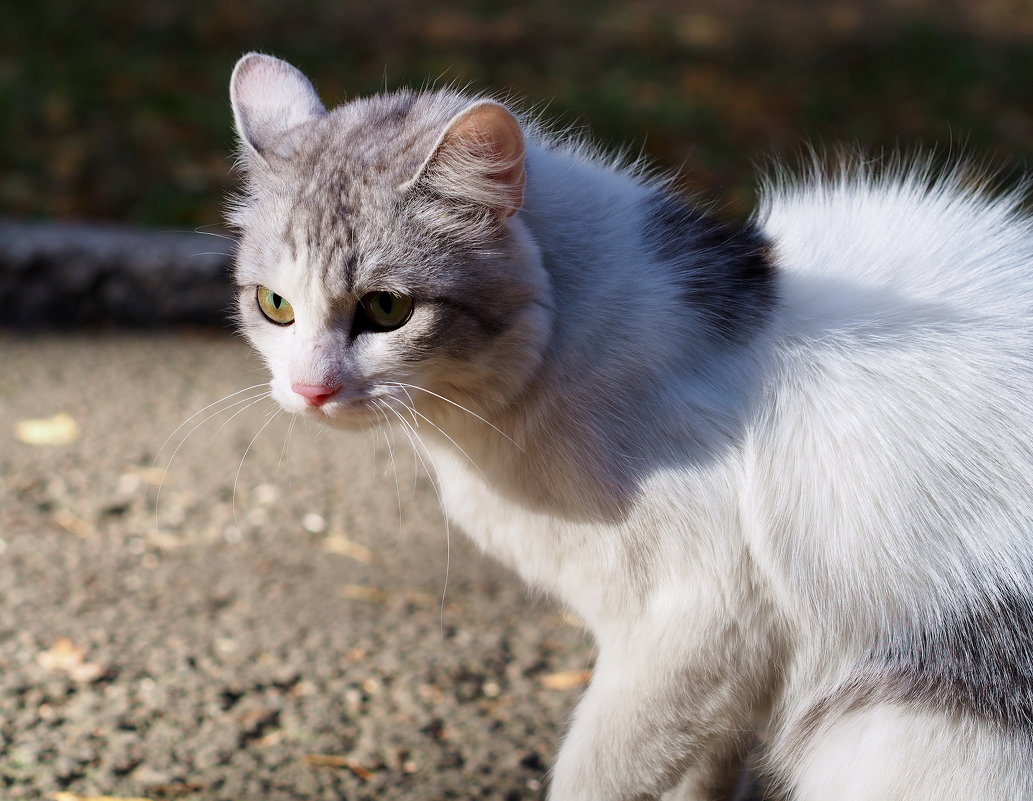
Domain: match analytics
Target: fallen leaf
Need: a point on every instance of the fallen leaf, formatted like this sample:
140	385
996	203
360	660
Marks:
73	523
566	679
76	797
337	761
57	430
359	592
63	655
87	672
345	547
151	476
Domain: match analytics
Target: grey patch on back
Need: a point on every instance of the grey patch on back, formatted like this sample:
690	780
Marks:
726	272
979	664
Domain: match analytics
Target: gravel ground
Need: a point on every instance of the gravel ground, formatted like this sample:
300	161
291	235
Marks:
277	634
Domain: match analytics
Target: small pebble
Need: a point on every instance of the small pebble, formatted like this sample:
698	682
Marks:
266	494
313	523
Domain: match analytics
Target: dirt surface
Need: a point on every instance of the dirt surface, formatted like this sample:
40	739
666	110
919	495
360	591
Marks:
279	632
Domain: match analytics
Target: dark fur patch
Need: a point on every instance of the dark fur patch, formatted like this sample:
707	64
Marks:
489	325
726	272
980	663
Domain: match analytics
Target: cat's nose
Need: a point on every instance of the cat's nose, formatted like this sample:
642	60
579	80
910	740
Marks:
315	394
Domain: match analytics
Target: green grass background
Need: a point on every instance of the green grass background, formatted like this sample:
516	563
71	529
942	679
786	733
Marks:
118	110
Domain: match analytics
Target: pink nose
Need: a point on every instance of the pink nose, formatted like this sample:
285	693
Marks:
315	394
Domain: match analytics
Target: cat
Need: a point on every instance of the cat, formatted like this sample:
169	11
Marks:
781	470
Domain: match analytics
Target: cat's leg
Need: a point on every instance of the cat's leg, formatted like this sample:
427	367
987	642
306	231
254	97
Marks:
716	777
650	721
889	752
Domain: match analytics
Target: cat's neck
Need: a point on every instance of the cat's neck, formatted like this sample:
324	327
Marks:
633	376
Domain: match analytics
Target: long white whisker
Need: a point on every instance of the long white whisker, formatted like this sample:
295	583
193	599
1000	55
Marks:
227	421
212	233
251	400
411	407
459	406
201	411
394	466
434	480
415	468
458	446
233	496
284	453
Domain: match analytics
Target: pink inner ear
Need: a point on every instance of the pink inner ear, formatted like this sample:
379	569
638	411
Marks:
494	135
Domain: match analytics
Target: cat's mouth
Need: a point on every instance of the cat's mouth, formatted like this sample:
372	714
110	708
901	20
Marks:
348	413
346	408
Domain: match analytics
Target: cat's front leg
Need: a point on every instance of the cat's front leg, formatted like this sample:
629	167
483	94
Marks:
651	720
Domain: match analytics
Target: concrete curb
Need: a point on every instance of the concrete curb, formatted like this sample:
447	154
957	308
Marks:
66	275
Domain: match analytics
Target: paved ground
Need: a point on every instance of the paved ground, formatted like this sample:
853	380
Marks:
284	641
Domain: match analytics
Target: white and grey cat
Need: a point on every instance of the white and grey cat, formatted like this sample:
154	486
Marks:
784	472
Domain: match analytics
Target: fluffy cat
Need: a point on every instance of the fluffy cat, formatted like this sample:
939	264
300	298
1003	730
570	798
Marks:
782	471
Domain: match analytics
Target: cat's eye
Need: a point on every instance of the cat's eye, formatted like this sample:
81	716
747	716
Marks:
276	308
386	311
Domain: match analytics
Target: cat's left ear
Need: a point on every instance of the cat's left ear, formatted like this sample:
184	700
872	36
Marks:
480	159
270	98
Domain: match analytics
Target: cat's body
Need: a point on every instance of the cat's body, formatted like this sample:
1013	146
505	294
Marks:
782	472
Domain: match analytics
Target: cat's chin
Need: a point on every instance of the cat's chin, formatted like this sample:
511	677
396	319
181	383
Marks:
344	417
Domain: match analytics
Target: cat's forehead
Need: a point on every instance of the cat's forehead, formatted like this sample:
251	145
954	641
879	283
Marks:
339	202
374	145
333	221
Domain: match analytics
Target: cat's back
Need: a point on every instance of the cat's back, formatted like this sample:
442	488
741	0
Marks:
904	298
900	382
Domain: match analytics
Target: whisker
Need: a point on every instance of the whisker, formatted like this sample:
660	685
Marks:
434	481
415	469
284	452
411	407
212	233
250	401
371	434
239	411
459	406
406	428
458	446
201	411
233	496
394	466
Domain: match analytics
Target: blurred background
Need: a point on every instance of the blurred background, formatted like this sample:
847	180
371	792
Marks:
200	600
118	110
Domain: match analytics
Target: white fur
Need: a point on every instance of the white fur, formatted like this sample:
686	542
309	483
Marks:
890	753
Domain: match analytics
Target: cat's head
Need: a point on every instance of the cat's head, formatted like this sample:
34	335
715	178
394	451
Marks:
382	257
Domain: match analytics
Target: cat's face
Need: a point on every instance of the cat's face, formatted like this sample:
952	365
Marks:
381	264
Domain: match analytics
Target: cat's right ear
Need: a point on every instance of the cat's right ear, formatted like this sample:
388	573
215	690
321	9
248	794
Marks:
479	159
270	98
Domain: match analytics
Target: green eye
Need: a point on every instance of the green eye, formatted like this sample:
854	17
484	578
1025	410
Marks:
277	309
386	310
